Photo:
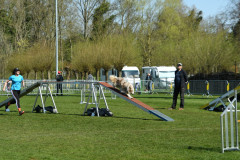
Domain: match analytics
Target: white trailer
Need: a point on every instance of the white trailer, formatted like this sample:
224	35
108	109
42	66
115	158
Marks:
162	76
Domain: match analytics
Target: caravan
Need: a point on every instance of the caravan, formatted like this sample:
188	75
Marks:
162	76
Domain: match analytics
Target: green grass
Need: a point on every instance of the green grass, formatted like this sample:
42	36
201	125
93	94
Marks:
130	134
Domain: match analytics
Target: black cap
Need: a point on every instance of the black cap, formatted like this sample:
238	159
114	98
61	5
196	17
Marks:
179	64
15	70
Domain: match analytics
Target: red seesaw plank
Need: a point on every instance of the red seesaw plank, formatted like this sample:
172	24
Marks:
133	99
136	102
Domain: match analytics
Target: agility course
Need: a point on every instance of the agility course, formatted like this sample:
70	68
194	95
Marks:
195	133
229	118
92	94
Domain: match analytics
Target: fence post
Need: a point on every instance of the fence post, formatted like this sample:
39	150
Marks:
171	88
207	89
228	86
188	89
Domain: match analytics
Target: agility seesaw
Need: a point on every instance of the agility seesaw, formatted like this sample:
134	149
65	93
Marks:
29	89
136	102
23	93
225	97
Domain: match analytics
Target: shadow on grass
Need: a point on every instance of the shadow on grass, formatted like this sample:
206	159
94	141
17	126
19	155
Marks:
203	149
171	98
118	117
154	97
145	119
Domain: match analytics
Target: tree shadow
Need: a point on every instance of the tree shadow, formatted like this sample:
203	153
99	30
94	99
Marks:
145	119
161	108
118	117
154	97
204	149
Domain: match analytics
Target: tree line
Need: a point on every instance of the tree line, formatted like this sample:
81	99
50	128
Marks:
95	34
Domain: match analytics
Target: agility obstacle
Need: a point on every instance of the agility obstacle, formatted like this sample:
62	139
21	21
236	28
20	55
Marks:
92	95
40	86
95	97
228	119
23	93
229	130
221	100
40	94
136	102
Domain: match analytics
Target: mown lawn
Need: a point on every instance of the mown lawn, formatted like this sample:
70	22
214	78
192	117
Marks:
130	134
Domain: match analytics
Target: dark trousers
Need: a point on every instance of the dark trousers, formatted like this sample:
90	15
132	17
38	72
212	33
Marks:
16	96
59	87
178	90
149	85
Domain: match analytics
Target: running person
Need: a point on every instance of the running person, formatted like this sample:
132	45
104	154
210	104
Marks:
17	81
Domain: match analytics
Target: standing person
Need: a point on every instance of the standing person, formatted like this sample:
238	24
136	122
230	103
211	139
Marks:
90	77
149	82
59	78
17	81
180	82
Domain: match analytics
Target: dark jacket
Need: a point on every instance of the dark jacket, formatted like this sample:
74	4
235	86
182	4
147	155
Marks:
59	78
149	78
184	78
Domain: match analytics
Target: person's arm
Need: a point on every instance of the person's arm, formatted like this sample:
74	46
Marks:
4	87
23	84
185	76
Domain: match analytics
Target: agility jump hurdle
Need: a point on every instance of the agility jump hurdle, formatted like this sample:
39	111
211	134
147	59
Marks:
232	143
228	119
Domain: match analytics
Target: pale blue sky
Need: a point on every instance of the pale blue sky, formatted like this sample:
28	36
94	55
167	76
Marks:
209	7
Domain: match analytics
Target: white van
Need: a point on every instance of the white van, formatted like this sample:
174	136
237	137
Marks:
132	74
162	76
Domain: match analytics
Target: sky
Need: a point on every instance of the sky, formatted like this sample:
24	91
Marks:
209	7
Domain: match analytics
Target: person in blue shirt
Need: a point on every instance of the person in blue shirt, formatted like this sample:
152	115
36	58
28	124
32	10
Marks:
17	82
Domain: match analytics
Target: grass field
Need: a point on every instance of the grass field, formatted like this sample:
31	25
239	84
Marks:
130	134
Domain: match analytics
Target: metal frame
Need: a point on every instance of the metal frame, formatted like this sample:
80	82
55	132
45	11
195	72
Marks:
96	100
233	124
85	91
48	92
220	99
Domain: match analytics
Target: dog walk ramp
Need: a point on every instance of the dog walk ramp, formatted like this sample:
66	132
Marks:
136	102
23	93
221	99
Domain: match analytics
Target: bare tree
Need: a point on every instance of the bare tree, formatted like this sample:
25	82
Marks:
86	10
